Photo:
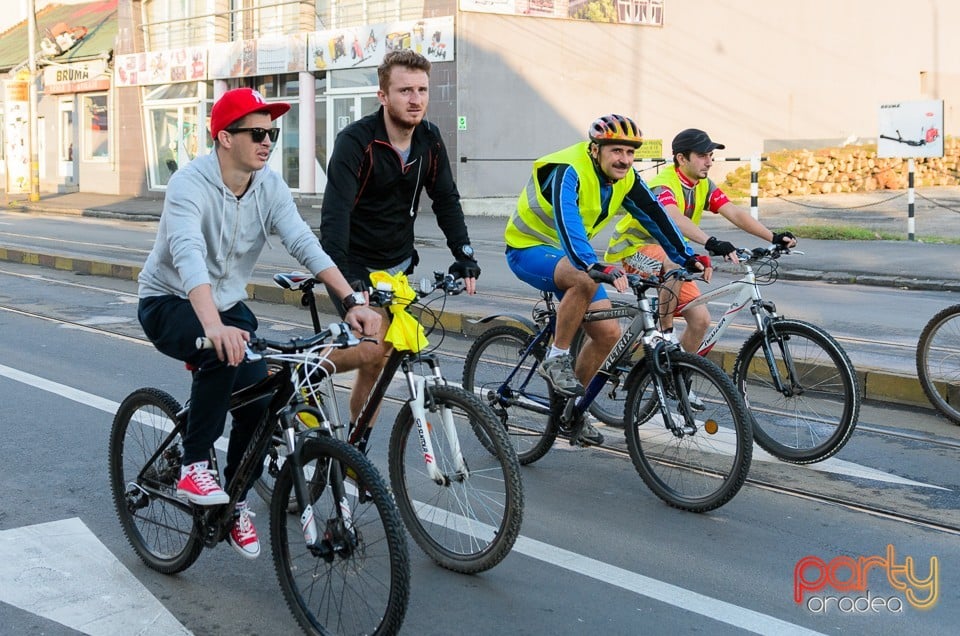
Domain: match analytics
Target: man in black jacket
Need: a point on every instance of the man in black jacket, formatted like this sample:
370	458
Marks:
379	166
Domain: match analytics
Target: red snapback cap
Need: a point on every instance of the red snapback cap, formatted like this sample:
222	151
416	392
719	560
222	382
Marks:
238	103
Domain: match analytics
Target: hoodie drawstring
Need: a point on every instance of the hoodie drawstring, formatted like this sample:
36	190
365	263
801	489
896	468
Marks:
263	225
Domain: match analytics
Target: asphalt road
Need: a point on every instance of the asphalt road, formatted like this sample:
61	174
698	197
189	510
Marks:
598	552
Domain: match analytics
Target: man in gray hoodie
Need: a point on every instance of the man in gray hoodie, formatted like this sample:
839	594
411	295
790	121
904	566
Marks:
218	213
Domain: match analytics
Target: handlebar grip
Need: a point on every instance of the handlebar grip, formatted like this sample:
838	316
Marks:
204	343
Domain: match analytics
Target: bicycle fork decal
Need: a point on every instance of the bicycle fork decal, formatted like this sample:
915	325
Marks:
420	421
309	525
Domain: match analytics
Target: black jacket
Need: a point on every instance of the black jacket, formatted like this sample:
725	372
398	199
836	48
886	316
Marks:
371	199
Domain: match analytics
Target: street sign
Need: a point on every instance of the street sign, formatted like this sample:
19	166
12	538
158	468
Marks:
911	129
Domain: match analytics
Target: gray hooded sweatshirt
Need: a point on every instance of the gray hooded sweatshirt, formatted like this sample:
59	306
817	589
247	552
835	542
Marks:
208	235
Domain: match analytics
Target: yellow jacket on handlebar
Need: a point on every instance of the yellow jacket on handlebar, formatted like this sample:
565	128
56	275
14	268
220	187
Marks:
405	332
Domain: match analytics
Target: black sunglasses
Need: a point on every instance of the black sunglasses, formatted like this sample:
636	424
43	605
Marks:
258	134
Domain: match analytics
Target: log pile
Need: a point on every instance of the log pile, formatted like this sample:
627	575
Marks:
847	169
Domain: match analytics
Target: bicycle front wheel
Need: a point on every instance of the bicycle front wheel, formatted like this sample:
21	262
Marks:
694	451
813	411
938	362
357	579
160	530
463	506
502	377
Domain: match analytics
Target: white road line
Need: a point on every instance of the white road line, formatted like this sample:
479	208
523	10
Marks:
62	572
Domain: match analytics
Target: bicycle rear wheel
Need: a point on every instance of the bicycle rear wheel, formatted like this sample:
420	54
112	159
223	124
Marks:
818	415
702	464
938	362
162	532
498	373
470	521
357	581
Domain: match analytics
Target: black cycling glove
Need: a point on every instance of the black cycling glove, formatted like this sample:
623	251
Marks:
691	263
782	238
719	248
465	268
604	273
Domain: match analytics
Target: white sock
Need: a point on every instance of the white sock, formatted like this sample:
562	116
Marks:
554	352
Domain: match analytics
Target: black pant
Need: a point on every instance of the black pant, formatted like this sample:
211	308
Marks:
172	326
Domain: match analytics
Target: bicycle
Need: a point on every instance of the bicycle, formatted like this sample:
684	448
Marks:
791	372
938	362
693	460
341	557
452	468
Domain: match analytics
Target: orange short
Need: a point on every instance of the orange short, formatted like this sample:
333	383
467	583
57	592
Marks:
688	290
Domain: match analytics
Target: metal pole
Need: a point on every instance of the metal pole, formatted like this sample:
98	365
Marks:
34	134
910	220
754	186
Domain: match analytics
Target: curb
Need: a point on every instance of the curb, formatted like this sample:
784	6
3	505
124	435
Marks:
875	384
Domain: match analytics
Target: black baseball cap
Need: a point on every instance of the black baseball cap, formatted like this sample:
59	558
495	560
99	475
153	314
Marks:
695	140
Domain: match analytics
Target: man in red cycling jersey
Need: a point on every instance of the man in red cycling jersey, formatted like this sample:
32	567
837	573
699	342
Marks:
685	192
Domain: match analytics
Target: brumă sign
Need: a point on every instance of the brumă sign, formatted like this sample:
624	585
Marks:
77	77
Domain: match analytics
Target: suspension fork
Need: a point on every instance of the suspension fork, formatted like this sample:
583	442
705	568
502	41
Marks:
656	353
766	325
416	385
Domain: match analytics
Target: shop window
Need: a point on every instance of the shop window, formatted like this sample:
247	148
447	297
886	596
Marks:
66	135
278	86
96	127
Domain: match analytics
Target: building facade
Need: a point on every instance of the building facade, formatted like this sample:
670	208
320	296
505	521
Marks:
511	79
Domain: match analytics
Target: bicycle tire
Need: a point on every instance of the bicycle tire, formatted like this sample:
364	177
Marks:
815	422
938	362
164	535
364	590
470	524
523	407
609	404
702	469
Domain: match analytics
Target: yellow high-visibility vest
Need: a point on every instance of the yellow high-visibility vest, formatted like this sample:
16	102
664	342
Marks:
532	223
629	236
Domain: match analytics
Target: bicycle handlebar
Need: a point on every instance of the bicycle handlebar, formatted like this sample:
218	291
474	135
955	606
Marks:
771	251
339	331
448	283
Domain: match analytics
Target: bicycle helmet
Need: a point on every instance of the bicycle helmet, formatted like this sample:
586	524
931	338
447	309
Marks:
615	129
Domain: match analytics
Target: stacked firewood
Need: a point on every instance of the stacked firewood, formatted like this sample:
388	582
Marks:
848	169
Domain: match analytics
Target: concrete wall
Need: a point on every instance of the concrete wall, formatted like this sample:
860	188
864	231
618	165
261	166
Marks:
747	72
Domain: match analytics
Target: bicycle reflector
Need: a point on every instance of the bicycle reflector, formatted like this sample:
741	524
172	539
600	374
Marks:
711	427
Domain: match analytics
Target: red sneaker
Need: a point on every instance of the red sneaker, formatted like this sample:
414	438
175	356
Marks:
199	485
243	536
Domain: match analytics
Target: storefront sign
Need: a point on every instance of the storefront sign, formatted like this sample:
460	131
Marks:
79	77
161	67
355	47
16	120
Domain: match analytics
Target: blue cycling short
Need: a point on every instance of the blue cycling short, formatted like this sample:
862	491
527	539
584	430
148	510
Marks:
535	266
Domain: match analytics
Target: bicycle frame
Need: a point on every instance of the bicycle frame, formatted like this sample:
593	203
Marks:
286	404
642	330
416	385
746	293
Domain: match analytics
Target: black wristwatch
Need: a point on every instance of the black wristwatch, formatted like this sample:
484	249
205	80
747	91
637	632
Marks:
352	300
467	251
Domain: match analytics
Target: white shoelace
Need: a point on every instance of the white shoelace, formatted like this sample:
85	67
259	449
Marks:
244	526
205	480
